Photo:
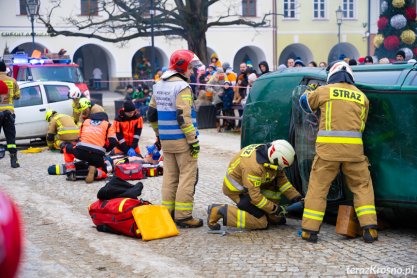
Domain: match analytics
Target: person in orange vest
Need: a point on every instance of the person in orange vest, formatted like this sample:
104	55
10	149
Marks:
9	91
128	128
96	138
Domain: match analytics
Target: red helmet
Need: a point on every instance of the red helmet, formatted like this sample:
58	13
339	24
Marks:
180	60
4	90
10	237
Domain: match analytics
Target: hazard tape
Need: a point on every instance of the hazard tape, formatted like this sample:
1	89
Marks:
153	81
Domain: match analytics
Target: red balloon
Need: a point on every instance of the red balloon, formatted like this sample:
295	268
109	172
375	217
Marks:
382	23
410	13
415	51
391	43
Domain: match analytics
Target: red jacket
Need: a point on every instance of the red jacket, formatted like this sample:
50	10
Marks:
128	131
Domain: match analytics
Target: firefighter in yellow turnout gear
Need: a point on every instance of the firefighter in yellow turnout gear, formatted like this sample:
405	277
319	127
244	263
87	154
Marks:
344	111
255	181
9	92
62	128
172	115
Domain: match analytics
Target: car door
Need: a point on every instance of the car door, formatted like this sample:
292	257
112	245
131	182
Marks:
30	111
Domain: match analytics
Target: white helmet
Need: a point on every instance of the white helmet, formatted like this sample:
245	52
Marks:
281	153
340	66
74	93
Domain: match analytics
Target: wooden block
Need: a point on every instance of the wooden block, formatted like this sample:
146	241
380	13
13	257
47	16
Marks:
347	223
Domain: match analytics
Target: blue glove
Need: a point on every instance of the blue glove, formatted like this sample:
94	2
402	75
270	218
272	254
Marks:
131	152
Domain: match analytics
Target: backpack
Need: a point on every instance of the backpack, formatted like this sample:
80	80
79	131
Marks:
115	216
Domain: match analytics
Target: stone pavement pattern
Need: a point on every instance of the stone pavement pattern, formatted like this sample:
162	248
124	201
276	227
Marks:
62	242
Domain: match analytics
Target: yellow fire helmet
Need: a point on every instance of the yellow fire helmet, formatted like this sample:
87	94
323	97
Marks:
84	103
49	113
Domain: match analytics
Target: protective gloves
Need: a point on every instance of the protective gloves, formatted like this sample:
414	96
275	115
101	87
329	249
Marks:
131	152
195	149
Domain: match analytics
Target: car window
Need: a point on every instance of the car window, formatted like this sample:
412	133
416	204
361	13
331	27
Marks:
29	96
413	81
55	93
387	77
64	74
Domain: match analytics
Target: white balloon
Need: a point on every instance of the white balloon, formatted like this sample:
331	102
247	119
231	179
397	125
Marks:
384	6
398	21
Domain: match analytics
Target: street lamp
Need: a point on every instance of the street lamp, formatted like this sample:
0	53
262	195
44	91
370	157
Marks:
152	13
339	19
32	7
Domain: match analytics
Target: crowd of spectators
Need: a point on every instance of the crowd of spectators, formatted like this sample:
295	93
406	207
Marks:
217	84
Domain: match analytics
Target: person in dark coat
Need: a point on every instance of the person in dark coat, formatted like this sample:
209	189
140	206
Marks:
264	68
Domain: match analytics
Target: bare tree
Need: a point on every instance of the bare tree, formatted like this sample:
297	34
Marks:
123	20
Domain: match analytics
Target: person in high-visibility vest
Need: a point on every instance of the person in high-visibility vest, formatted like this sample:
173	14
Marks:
344	111
9	91
96	138
172	115
61	129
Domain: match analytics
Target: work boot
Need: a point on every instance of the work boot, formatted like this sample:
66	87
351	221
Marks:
189	222
71	176
13	160
213	216
309	236
370	235
91	173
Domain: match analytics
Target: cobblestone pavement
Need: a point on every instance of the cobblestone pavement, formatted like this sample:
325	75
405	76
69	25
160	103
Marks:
62	242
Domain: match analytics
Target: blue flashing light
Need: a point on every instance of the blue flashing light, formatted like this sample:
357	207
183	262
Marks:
20	60
62	61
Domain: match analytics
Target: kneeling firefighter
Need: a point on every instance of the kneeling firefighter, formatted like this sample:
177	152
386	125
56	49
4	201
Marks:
96	137
61	129
344	110
87	109
255	180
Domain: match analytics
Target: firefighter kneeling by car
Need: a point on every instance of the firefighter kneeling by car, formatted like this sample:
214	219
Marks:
255	181
61	129
96	138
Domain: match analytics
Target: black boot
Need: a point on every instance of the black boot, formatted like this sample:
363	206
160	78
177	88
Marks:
13	160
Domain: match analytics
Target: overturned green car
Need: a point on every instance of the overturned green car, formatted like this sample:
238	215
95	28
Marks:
272	112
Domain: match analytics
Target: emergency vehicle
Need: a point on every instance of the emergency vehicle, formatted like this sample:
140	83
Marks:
51	67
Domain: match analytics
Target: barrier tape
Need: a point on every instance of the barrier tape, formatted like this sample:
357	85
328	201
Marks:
153	81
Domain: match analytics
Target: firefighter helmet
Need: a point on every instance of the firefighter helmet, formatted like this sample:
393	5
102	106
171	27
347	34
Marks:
74	93
281	153
84	103
49	113
340	66
181	59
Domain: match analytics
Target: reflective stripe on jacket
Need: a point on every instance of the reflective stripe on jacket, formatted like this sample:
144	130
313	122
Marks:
344	111
93	135
165	95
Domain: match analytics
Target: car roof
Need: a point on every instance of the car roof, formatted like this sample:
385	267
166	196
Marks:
321	72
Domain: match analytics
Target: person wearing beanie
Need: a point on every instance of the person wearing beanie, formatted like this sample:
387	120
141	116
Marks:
352	62
369	60
299	64
400	56
7	120
128	126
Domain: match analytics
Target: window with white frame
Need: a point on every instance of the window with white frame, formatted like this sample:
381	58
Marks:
22	7
248	7
289	8
319	8
348	8
89	7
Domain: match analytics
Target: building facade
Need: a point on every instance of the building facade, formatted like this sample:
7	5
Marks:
297	28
